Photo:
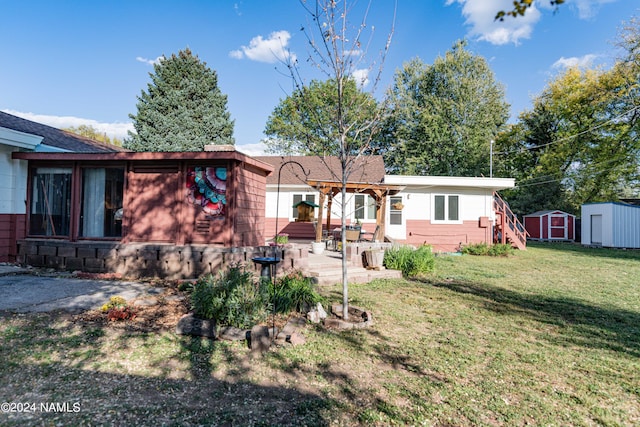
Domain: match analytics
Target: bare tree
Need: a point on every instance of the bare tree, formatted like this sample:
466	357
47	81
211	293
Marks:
339	47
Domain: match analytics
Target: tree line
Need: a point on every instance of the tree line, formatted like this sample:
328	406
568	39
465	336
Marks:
578	143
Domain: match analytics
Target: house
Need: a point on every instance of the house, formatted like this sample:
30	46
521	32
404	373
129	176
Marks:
21	135
550	225
445	212
611	225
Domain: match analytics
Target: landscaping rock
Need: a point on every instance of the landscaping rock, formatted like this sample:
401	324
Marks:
260	341
230	333
296	339
146	302
322	314
313	316
191	325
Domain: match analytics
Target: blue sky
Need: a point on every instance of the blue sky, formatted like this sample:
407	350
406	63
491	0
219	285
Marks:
66	63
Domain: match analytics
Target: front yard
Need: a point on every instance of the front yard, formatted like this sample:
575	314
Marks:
550	336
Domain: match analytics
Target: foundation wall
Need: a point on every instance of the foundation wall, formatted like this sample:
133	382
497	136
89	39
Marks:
137	260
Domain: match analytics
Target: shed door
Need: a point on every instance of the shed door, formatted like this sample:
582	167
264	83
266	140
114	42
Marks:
596	229
558	227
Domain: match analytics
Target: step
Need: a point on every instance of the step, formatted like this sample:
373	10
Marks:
332	276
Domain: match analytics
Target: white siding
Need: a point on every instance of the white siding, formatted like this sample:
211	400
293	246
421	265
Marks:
620	224
13	182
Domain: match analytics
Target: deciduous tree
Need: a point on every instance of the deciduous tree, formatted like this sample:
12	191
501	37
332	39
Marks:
443	116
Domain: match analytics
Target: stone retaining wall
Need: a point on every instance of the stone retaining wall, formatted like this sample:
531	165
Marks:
150	260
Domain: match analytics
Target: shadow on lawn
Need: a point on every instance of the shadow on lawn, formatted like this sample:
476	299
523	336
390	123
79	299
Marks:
69	362
583	324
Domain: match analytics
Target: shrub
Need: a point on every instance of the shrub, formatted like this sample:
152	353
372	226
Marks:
232	298
411	262
118	309
498	249
292	293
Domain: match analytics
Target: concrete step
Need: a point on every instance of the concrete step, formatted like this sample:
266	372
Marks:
333	275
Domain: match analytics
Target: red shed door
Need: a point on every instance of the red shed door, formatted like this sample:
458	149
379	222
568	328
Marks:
558	227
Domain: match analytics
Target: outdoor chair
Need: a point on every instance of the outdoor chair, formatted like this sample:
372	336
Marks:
364	237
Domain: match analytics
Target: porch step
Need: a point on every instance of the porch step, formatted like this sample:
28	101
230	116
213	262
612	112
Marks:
333	275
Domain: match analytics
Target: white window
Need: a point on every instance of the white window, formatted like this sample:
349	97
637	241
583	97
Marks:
365	207
446	208
297	198
395	210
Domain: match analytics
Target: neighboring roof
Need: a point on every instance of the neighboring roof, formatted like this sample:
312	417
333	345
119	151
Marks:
54	137
449	181
367	169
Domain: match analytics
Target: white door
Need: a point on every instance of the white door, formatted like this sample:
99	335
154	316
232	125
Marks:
395	227
596	229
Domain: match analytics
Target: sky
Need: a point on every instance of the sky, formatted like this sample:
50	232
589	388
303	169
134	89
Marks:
72	62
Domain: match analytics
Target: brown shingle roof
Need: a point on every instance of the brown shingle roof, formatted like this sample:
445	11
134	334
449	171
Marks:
367	169
54	137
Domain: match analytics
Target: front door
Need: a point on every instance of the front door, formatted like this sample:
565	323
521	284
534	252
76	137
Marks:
396	228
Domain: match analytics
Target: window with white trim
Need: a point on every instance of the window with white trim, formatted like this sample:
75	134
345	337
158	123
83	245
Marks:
365	206
297	198
446	208
395	210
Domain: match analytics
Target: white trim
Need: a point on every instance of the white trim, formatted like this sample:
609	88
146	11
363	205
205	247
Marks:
19	139
450	181
446	209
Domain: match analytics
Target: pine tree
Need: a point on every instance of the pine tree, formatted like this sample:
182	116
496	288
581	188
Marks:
183	110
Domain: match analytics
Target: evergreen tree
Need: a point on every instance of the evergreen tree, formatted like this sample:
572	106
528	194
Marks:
183	110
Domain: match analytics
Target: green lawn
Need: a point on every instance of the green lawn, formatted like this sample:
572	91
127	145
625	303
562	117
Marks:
550	336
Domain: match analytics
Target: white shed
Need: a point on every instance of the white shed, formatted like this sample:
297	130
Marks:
611	225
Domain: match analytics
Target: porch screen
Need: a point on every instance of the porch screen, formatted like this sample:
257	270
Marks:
101	214
50	202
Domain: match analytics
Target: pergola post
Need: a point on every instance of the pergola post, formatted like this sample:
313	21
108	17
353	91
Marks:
319	219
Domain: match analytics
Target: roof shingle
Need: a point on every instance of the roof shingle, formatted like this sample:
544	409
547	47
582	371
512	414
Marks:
54	137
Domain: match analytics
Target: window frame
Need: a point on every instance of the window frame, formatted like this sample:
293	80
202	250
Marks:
368	203
305	195
447	198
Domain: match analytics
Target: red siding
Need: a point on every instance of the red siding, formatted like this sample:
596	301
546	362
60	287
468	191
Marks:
151	207
532	224
446	237
249	207
12	228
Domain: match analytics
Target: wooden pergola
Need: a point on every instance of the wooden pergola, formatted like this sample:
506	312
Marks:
379	192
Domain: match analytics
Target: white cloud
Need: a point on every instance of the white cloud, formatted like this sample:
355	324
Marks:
149	61
581	62
258	149
270	50
117	130
480	16
587	9
361	77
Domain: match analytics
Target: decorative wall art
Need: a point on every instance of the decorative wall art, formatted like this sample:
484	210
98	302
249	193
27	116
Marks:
206	187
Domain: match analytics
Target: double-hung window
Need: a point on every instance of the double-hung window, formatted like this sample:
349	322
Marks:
365	207
446	208
297	198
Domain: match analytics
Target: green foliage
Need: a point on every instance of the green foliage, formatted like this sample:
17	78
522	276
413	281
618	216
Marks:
412	262
305	122
232	298
498	249
578	145
89	131
183	109
444	116
292	293
520	8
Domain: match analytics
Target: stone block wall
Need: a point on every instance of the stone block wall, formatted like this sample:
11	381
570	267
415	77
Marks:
152	260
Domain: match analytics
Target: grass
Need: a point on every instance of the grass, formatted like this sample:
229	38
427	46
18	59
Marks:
550	336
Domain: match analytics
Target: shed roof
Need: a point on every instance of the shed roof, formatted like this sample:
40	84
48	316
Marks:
367	169
546	212
54	137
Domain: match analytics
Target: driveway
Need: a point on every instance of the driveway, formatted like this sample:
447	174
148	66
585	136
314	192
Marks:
23	292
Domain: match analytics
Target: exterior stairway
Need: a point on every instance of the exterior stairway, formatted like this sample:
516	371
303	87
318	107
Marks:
508	228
